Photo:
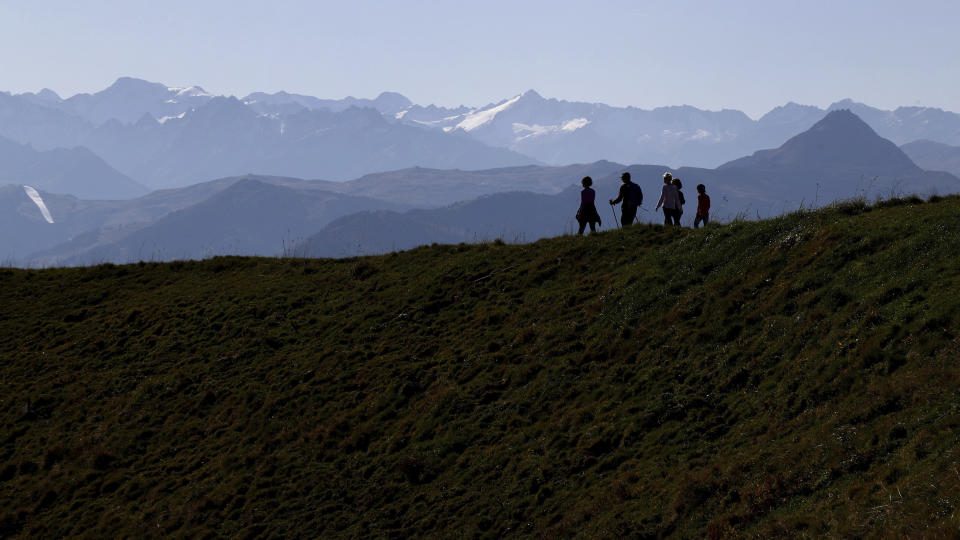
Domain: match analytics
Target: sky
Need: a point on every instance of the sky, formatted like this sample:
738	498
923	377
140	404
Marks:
751	55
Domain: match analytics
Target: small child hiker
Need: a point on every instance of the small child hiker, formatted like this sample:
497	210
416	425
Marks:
703	207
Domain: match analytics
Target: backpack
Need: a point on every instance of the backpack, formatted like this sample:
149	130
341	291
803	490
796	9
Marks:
635	195
682	200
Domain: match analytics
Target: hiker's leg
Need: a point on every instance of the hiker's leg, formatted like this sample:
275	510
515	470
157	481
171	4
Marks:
627	217
593	227
666	216
696	221
583	225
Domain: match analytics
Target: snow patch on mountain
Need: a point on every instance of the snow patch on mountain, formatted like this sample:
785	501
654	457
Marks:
700	135
526	131
164	119
190	91
484	116
38	200
575	124
447	123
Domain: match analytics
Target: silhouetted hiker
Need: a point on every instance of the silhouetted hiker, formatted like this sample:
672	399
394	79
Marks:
703	207
670	201
587	213
632	197
680	198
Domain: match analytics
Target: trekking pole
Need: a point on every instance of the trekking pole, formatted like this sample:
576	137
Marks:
615	220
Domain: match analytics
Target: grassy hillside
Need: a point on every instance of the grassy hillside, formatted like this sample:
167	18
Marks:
796	376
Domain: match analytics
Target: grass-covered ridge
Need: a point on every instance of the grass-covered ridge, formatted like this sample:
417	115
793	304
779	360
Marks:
793	376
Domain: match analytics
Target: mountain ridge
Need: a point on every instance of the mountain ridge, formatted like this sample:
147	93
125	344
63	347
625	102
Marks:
551	131
827	143
248	216
934	156
75	170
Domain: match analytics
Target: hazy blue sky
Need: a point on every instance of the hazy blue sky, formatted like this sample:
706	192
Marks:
746	54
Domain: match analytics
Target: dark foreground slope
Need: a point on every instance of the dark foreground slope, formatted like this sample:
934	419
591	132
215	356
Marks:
795	376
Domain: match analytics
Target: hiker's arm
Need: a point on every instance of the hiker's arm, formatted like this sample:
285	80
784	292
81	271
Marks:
620	195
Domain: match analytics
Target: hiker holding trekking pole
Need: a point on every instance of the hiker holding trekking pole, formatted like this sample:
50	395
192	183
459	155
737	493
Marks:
632	197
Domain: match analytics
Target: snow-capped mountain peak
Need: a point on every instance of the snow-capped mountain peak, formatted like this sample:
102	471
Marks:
531	95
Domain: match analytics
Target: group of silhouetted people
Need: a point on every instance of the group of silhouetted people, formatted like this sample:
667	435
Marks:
630	197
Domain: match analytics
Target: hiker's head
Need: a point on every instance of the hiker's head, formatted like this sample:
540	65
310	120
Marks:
625	177
587	181
701	188
678	183
667	178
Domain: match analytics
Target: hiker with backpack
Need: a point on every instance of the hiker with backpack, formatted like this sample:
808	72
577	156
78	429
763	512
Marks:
587	213
670	201
680	198
632	197
703	207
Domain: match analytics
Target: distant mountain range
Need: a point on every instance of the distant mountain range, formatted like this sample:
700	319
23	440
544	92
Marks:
934	156
558	132
553	131
167	137
127	100
225	137
839	157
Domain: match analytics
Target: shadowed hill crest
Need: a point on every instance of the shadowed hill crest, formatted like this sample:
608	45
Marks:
792	377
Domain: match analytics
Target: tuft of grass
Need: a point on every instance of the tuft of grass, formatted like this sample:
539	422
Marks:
789	377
